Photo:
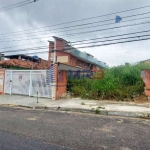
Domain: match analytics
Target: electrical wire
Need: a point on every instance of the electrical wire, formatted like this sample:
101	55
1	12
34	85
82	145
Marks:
105	37
86	32
26	49
81	19
81	28
2	8
110	43
141	14
116	39
130	41
16	6
20	45
82	41
46	47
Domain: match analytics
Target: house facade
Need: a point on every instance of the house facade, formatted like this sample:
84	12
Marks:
61	51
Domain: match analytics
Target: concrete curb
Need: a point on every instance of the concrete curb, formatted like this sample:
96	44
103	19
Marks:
98	112
105	112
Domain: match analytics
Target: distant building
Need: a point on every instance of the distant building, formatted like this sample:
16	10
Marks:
1	56
146	61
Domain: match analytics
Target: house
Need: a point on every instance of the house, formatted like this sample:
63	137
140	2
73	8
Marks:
20	61
66	58
66	54
145	61
1	56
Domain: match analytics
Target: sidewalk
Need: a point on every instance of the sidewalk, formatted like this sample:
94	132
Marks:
130	109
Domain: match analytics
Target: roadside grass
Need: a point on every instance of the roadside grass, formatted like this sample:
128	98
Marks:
97	111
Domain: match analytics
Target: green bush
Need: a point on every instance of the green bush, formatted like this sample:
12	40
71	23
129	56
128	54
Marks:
122	82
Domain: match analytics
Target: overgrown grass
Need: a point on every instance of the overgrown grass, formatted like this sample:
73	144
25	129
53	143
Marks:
122	83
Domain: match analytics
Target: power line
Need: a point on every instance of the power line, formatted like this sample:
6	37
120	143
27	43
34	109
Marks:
20	45
80	19
81	41
111	36
79	28
13	5
106	29
86	32
139	36
130	41
45	47
9	8
111	43
141	14
25	49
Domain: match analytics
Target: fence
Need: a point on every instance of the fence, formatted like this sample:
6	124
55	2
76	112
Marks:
29	82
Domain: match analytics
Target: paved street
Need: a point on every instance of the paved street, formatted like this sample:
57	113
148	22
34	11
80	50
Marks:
11	141
40	129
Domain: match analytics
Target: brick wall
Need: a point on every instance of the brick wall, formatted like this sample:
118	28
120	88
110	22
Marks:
62	83
59	44
2	77
51	46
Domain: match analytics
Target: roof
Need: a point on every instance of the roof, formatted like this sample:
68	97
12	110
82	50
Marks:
24	64
51	41
87	58
89	54
31	58
58	38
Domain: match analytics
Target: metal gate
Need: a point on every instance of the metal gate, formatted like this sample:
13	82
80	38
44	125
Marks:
29	82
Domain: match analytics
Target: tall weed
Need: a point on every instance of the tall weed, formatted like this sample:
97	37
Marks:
122	82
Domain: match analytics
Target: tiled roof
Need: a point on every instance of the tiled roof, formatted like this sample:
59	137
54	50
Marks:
25	64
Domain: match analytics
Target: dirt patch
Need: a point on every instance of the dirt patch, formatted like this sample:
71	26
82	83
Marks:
141	99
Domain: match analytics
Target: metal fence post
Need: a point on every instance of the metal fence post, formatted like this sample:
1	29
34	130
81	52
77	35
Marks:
11	82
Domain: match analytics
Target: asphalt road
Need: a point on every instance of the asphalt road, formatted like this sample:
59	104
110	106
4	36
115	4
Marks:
10	141
49	130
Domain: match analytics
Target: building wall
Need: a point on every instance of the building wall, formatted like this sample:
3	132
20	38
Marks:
51	46
59	44
62	84
2	77
61	56
66	58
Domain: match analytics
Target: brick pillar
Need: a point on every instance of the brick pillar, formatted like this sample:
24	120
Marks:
62	84
51	46
54	88
59	43
2	78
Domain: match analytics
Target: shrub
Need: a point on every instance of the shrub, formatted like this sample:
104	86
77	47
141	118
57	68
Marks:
122	82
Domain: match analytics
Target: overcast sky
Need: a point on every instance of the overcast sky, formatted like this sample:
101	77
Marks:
47	13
